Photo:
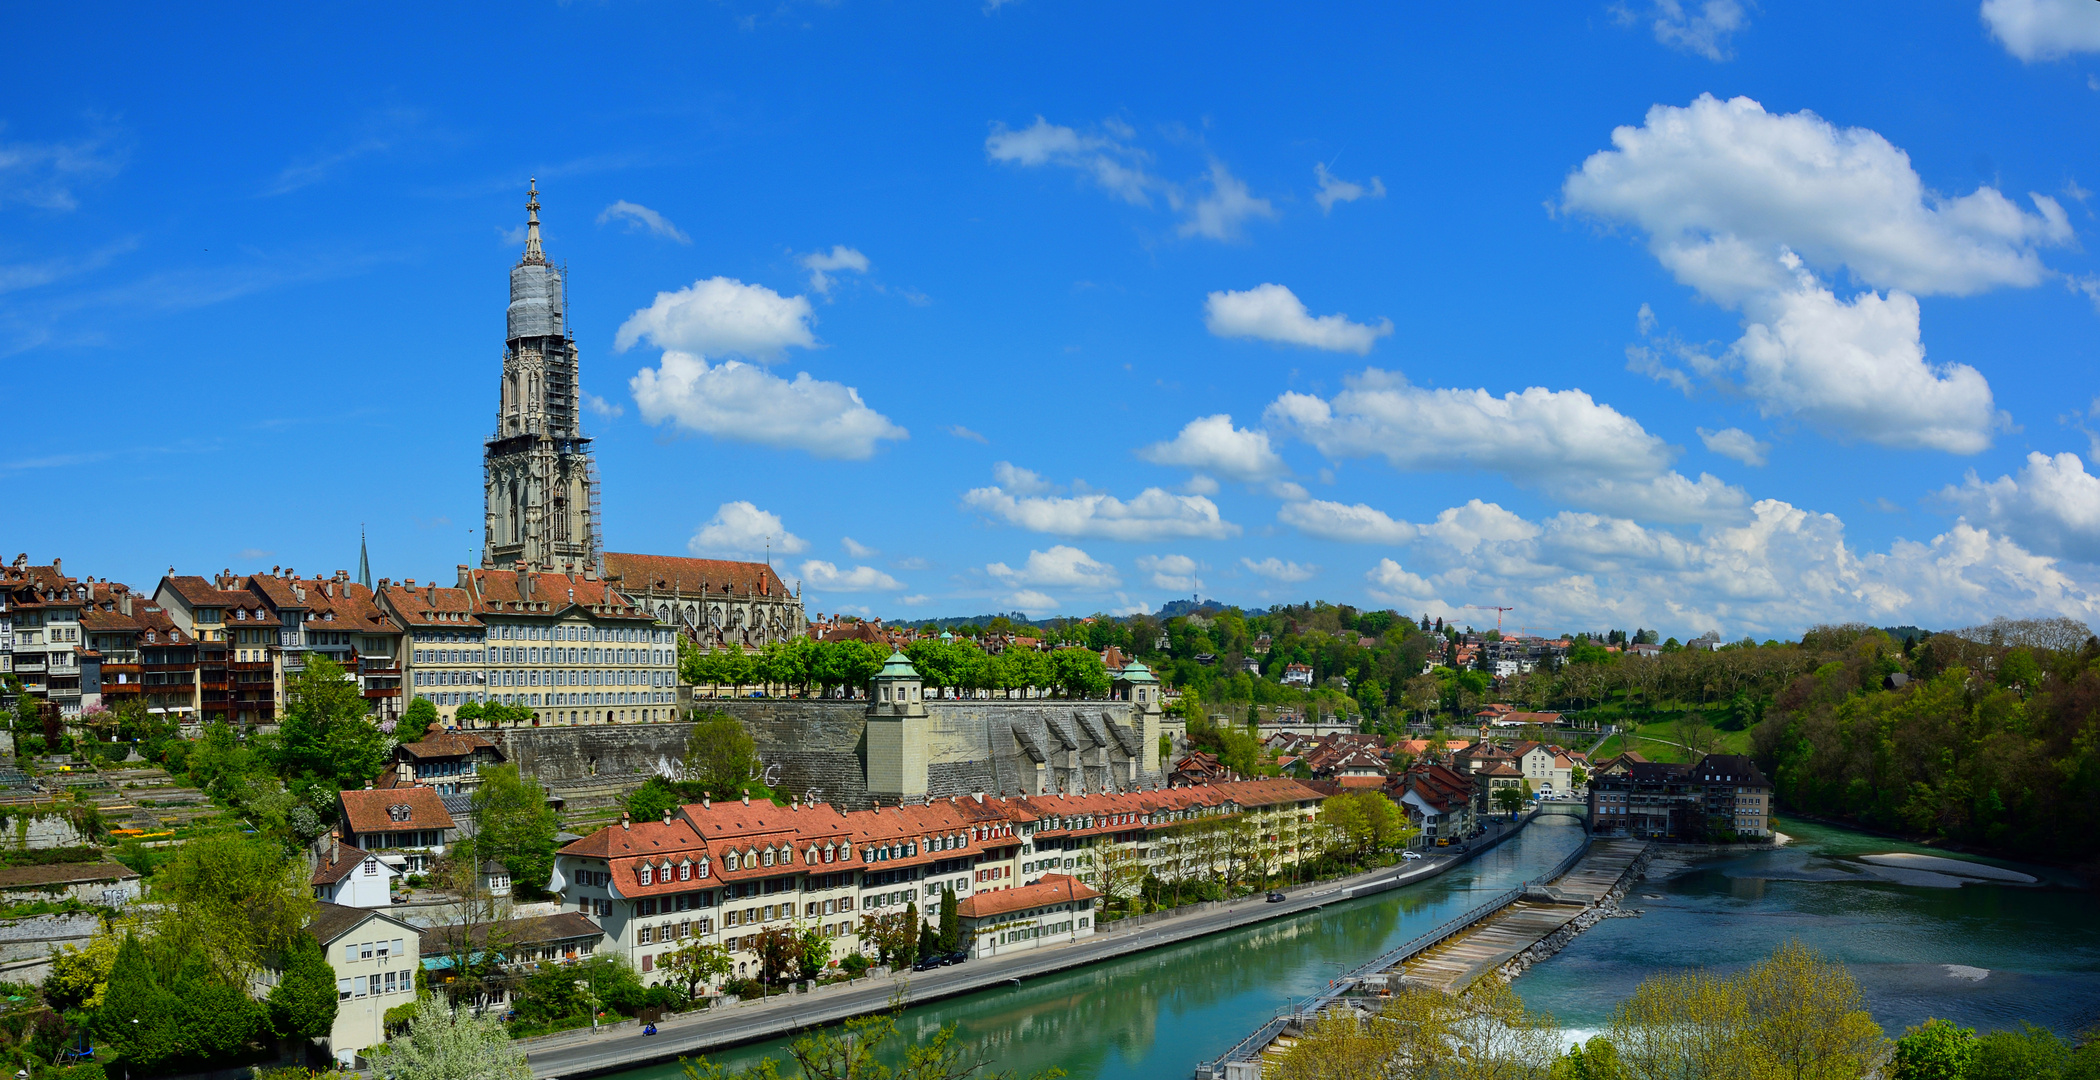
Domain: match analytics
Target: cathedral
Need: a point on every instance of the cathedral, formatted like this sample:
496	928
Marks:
540	485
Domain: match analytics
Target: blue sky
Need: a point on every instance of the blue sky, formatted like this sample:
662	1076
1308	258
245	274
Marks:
1692	316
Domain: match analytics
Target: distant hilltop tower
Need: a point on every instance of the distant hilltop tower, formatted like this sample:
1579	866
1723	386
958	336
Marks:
539	481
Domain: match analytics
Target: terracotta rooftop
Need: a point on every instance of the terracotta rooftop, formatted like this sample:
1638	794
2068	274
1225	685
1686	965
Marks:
1052	889
684	576
398	810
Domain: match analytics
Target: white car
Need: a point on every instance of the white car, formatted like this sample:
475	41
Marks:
1410	855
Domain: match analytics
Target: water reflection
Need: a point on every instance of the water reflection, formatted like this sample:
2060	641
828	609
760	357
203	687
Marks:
1155	1014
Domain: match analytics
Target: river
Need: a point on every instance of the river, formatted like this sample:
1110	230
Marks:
1154	1015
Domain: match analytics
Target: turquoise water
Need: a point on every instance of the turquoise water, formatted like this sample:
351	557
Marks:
1916	951
1984	955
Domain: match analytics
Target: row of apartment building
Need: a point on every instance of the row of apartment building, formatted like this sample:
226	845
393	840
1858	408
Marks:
724	872
571	648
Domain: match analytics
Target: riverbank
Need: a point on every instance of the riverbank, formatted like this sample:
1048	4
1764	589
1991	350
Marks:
622	1046
2088	872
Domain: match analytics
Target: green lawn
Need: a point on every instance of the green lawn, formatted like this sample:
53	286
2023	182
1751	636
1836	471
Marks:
1658	742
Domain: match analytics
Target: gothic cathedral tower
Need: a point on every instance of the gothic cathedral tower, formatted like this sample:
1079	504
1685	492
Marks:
540	484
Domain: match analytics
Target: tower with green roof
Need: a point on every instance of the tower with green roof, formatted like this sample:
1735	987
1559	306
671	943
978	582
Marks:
1137	685
897	732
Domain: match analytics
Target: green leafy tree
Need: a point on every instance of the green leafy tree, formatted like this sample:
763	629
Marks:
696	964
514	825
80	973
139	1021
1078	673
1934	1050
951	921
441	1044
416	720
303	1003
1509	800
2031	1053
231	901
815	955
325	730
720	756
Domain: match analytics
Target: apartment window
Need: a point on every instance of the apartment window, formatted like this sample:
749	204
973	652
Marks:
342	989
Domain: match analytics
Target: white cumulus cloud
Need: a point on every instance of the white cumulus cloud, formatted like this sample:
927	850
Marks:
823	576
1699	28
1021	481
745	403
1736	443
721	315
2052	506
1858	370
1721	187
1334	189
1357	523
741	529
1273	313
1155	514
1032	602
1276	569
1211	444
1392	584
1562	442
1176	573
641	217
857	549
1060	567
822	264
2044	29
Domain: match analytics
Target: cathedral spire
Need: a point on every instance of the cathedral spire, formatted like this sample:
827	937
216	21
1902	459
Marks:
532	223
364	560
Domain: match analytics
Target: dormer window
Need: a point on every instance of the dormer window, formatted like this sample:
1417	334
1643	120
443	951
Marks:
830	851
730	860
647	873
702	871
766	859
685	871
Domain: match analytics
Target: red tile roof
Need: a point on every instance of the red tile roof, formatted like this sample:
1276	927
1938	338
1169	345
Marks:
546	593
347	860
1053	889
448	744
677	574
373	811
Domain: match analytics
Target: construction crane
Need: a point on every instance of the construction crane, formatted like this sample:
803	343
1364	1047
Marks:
1497	610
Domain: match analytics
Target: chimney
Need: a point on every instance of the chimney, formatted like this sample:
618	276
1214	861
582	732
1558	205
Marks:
747	799
624	823
332	839
667	815
707	802
430	594
56	564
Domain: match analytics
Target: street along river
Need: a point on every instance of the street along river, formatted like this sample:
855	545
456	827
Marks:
1916	949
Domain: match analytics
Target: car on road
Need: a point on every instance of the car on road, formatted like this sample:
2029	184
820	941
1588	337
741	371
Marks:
1410	855
1277	898
926	963
954	958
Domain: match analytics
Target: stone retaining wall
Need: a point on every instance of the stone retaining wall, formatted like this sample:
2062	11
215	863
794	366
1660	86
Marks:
818	748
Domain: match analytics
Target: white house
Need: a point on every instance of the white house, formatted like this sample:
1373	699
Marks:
352	877
1054	909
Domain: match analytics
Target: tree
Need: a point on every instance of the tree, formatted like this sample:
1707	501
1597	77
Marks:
325	730
416	720
165	1005
1078	673
720	755
231	900
1934	1050
779	949
80	973
1509	800
441	1044
696	964
1422	694
514	826
303	1003
139	1021
816	954
951	921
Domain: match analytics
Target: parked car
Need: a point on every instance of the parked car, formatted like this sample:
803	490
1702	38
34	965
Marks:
1277	898
1410	855
954	958
926	963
